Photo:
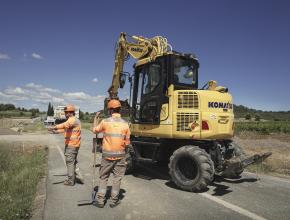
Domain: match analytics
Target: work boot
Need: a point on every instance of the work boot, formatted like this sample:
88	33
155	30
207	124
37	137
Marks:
68	183
80	180
79	176
113	204
99	205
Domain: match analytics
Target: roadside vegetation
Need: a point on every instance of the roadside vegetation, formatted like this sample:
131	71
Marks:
35	127
10	111
263	127
21	167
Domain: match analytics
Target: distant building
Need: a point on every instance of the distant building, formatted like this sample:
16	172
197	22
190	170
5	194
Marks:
59	114
49	120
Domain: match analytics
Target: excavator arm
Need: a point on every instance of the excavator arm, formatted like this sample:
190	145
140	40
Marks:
142	49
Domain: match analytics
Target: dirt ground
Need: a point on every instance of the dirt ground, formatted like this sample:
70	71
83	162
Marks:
7	131
278	144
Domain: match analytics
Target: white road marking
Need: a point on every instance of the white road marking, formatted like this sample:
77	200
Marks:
232	207
61	154
219	201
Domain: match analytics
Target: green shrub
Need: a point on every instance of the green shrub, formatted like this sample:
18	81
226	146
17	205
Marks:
264	127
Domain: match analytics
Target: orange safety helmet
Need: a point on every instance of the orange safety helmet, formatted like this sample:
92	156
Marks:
114	103
69	108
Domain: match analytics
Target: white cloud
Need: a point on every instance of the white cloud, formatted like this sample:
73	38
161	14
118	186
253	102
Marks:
33	94
4	56
41	88
36	56
77	96
14	91
35	105
95	80
51	90
33	85
57	100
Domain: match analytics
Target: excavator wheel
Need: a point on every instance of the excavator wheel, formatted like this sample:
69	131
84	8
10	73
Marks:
191	168
236	153
130	160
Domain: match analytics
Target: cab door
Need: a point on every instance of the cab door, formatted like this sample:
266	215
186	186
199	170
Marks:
149	92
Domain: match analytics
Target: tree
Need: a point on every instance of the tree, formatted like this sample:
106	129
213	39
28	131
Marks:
50	110
81	115
257	117
7	107
248	116
33	113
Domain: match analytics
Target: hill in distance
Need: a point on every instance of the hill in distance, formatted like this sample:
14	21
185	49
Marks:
241	111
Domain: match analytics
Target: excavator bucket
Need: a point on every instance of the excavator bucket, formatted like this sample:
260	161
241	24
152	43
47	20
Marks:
236	165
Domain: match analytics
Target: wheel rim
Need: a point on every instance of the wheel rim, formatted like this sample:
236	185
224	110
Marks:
187	169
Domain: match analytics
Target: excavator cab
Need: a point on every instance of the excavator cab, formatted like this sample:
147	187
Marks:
152	80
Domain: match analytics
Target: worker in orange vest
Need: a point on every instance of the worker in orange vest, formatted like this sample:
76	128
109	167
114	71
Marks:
116	138
72	139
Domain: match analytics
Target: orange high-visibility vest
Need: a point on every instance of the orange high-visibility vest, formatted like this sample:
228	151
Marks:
72	131
116	136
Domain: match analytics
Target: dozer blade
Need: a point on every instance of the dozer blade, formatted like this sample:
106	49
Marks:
236	164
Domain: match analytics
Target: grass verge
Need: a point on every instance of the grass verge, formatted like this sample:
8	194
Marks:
268	127
35	127
21	168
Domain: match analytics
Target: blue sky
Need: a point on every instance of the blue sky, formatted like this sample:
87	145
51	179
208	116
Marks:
62	51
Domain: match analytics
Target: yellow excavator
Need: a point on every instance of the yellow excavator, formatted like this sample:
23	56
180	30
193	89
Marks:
173	120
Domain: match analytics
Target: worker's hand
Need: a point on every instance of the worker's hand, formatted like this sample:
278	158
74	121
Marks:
97	114
50	128
54	132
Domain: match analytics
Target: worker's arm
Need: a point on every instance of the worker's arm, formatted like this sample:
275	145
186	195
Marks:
96	120
127	137
61	127
97	125
68	124
58	131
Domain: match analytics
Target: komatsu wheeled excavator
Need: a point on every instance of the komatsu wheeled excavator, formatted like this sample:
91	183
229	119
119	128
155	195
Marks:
172	120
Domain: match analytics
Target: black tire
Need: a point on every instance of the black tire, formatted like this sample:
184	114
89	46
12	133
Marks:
130	160
191	168
237	152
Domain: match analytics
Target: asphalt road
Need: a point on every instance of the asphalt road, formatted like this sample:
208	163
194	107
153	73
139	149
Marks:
149	194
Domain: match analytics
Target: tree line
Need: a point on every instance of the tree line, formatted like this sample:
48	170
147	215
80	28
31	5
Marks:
241	111
11	107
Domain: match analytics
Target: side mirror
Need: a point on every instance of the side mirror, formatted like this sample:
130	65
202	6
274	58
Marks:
122	80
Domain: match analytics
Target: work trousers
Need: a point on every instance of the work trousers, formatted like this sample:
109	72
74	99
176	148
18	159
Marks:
71	154
117	168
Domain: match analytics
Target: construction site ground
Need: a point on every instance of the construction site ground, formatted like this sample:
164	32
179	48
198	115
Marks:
149	194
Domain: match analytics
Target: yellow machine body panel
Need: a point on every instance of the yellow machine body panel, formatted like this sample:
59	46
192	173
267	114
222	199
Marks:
192	114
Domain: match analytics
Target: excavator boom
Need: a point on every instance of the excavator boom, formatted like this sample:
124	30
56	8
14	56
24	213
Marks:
142	49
